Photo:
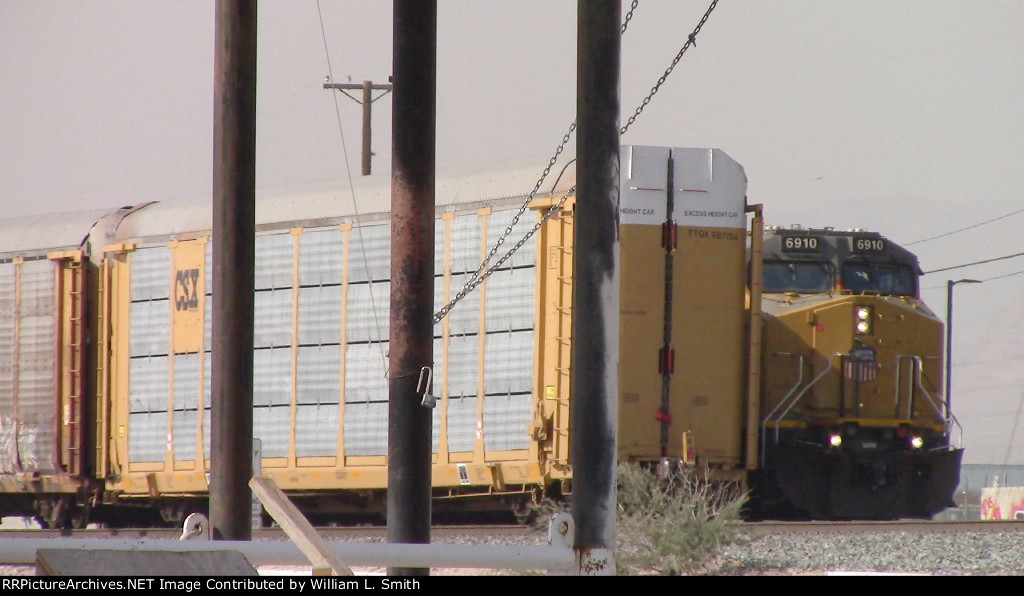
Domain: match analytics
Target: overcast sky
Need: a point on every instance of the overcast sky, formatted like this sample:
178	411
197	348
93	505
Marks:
902	117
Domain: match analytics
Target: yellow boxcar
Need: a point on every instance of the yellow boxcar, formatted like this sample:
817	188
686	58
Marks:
501	424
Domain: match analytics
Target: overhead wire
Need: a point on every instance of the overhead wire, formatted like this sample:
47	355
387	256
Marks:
1020	404
971	227
1003	258
483	271
352	192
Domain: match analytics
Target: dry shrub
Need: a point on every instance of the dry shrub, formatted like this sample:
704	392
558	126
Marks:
673	521
670	520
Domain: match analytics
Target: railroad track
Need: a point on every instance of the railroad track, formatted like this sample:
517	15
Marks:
275	533
773	527
442	533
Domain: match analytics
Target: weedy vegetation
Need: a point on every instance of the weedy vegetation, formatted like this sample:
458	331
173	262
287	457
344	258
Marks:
670	520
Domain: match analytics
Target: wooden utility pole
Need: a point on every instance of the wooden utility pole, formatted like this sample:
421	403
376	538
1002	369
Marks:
368	88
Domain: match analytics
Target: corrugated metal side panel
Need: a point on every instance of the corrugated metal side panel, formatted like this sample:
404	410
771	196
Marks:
365	373
150	328
509	343
464	318
208	308
366	429
272	328
319	374
149	343
151	273
506	418
369	312
207	401
271	424
150	331
272	320
316	428
463	367
367	320
272	398
273	369
38	414
272	339
370	250
208	355
321	260
465	245
147	414
7	369
497	223
185	422
275	261
146	436
511	294
321	257
439	227
435	390
320	316
461	422
508	362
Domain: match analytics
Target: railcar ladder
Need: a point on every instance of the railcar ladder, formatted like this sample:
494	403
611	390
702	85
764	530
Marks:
564	357
74	362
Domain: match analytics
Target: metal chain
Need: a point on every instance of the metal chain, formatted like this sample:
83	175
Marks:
691	40
483	272
477	280
629	15
479	275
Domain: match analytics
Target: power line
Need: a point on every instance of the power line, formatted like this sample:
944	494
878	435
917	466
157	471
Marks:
965	229
1002	276
984	279
979	263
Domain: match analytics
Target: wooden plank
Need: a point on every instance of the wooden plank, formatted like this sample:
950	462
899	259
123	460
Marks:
298	528
77	562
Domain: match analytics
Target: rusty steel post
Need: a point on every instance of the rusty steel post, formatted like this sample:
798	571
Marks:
595	329
412	272
234	229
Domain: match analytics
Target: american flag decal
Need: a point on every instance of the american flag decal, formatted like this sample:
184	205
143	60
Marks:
860	364
860	371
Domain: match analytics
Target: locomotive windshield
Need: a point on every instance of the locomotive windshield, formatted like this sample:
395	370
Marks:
801	277
889	280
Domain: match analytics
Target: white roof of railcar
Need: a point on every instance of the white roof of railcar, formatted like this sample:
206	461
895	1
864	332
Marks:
35	235
500	185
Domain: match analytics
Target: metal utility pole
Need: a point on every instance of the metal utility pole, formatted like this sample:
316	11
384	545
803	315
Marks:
234	230
368	88
595	330
949	340
411	356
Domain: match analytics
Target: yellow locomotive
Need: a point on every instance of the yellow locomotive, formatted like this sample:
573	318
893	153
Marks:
106	318
853	424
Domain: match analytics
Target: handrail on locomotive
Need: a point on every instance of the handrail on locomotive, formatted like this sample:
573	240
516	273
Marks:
792	397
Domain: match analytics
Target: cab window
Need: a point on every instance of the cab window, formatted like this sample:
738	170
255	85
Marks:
888	280
801	277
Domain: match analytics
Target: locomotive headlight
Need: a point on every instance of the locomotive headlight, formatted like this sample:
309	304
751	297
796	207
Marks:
862	319
916	442
835	439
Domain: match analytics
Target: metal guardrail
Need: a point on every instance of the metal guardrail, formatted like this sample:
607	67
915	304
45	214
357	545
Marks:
557	558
